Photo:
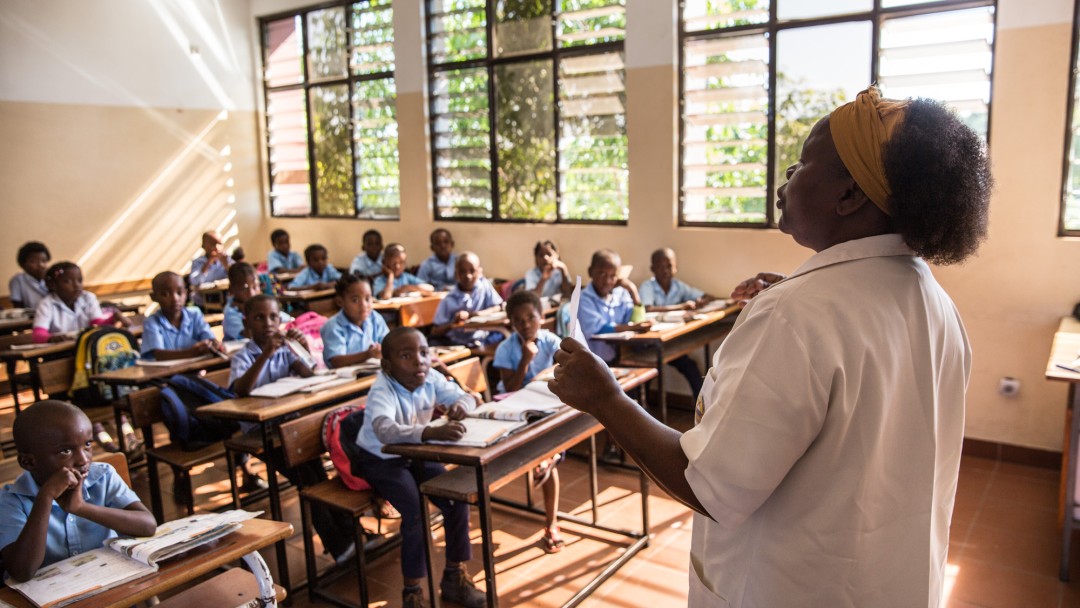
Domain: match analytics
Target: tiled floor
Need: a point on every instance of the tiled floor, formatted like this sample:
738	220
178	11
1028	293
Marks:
1003	553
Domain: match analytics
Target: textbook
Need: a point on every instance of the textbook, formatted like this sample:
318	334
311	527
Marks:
291	384
535	400
125	559
480	432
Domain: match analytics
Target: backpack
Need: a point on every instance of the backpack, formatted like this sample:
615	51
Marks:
180	395
99	350
310	323
339	431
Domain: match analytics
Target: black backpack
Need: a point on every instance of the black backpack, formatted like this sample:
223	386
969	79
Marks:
180	396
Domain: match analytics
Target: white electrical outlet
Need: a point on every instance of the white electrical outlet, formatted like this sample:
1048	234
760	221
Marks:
1009	386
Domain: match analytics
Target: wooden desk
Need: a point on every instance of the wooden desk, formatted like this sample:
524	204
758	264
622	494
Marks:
317	300
1065	349
13	326
245	543
656	348
144	375
496	465
213	294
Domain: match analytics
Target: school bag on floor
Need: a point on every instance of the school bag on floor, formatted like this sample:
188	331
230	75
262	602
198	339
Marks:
99	350
339	431
181	394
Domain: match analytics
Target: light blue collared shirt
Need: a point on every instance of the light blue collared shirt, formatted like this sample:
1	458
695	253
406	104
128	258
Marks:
508	355
393	414
308	276
340	336
27	290
551	288
279	366
158	333
406	278
652	294
201	273
482	296
232	324
365	266
69	534
438	273
275	260
600	315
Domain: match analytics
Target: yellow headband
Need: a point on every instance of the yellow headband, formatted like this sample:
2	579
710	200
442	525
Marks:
860	130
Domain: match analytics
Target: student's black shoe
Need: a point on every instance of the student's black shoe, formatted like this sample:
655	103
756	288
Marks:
253	483
613	454
457	587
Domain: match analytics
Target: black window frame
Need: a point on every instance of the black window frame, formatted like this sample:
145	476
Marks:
1070	112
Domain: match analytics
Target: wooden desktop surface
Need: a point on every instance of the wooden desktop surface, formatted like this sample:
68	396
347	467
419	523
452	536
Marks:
254	534
141	375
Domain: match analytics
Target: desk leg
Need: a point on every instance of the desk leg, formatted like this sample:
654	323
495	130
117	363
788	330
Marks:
593	485
660	383
483	500
1069	525
643	481
275	508
12	367
429	551
267	597
35	378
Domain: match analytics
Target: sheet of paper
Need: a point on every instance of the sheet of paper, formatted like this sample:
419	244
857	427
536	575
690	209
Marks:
169	362
482	432
574	327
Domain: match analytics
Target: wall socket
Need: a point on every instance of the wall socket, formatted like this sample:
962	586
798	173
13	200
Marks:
1009	386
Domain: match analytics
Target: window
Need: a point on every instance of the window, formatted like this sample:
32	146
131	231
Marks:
331	114
1070	197
756	75
528	110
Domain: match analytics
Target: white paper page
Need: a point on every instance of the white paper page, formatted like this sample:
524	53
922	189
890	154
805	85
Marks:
169	362
178	535
482	432
574	326
77	576
535	397
714	306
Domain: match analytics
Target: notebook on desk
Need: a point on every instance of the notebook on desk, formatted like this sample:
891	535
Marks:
481	432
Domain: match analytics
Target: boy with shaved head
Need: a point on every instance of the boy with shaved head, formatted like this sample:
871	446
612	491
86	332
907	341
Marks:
175	331
64	504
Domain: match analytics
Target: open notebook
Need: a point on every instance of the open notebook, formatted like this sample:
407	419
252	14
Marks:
124	559
491	422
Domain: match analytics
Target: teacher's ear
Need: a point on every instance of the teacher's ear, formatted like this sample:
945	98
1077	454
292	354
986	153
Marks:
852	200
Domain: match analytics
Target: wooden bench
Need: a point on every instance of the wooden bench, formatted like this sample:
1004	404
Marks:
234	587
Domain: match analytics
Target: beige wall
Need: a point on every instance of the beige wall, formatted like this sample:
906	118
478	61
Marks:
76	160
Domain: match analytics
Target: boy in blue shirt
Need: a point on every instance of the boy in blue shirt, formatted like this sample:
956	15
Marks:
281	257
399	409
64	504
319	274
353	335
472	295
212	265
665	293
439	268
394	280
368	263
28	287
243	284
607	303
175	331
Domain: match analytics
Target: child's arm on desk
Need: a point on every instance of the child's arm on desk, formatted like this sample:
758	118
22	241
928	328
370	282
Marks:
132	520
24	556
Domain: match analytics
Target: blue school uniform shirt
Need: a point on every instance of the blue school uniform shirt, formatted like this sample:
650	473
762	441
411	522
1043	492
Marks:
482	296
69	534
394	414
598	315
508	355
365	266
275	260
201	273
159	333
279	366
27	290
551	288
438	273
340	336
233	323
406	278
308	276
652	294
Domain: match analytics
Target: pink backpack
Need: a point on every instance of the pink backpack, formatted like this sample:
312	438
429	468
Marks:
309	324
332	438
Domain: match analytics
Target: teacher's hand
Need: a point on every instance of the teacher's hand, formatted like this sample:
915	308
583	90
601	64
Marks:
582	380
749	288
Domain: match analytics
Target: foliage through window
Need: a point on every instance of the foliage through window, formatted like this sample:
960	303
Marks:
331	113
741	58
528	109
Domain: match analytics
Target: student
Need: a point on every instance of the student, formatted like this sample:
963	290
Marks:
438	269
472	295
63	504
67	308
607	303
399	409
663	292
175	331
394	280
369	263
353	335
243	283
265	359
319	274
212	265
527	352
281	257
28	287
550	276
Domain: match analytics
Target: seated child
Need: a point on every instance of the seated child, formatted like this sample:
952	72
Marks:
472	295
212	265
550	276
394	280
64	504
519	358
664	293
354	334
607	303
175	331
28	287
438	269
369	263
281	257
265	359
399	409
243	283
68	308
319	274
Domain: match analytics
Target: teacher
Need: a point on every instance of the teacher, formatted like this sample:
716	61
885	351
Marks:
824	459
